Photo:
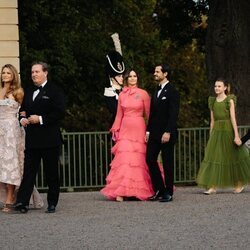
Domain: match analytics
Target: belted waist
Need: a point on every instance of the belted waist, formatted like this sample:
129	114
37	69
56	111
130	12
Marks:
223	124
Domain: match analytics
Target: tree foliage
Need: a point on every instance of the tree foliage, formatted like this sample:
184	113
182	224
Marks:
228	49
181	21
74	37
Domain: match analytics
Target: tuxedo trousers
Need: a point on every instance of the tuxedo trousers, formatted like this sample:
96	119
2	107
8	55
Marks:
32	162
154	147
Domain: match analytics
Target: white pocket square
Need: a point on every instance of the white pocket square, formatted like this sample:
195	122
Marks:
163	98
45	97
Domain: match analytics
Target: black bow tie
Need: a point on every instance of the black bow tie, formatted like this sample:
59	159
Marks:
118	91
158	87
38	87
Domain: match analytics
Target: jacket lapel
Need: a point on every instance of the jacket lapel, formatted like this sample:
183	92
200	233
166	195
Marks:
39	96
29	94
164	91
41	93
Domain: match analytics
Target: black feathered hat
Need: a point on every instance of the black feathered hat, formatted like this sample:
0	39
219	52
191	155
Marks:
114	64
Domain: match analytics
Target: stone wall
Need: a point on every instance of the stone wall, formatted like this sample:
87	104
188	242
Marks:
9	34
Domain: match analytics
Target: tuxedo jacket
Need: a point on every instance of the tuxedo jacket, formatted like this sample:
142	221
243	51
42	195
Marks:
246	137
164	111
50	104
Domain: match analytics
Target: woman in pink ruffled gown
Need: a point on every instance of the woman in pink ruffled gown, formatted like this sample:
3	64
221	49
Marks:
129	175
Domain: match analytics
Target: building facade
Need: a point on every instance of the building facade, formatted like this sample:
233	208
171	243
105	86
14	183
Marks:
9	34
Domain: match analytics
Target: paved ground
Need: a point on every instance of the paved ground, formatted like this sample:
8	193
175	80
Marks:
86	220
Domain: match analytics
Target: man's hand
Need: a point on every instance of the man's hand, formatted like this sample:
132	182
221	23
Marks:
146	137
165	137
33	119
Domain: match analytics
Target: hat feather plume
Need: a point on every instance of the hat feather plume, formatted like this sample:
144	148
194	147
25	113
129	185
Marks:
117	43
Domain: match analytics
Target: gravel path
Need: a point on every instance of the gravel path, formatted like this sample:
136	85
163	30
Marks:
86	220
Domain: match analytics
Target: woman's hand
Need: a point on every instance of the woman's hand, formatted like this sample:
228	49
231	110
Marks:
24	122
115	135
237	141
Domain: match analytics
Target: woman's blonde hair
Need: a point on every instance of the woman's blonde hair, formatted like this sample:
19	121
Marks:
15	85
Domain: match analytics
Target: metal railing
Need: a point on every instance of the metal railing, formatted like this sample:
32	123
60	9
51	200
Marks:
85	158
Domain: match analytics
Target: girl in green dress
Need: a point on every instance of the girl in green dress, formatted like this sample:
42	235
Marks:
224	164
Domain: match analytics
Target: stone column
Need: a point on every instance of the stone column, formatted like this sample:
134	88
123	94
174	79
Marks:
9	35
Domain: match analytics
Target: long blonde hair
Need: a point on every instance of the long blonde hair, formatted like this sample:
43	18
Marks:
15	85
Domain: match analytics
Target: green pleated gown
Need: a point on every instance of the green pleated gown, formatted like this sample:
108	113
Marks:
225	164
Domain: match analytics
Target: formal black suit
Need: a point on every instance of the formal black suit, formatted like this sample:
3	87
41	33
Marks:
42	141
246	137
163	117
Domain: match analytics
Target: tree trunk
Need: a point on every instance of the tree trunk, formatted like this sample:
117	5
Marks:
228	50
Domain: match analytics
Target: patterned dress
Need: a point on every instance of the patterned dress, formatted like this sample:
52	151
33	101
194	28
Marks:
225	164
12	144
129	175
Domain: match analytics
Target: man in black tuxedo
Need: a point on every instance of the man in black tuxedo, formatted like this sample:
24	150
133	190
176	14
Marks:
42	109
162	134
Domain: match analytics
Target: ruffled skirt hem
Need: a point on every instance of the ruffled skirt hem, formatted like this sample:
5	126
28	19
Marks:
224	176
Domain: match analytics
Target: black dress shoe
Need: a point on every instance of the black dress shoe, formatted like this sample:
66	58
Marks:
51	209
157	196
166	198
19	207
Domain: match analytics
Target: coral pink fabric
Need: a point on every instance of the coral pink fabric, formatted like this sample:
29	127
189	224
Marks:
129	174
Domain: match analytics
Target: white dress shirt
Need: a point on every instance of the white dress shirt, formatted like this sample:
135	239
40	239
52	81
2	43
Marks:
162	86
35	95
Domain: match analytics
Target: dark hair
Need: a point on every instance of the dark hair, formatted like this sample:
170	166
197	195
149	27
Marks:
221	79
126	75
165	68
45	66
